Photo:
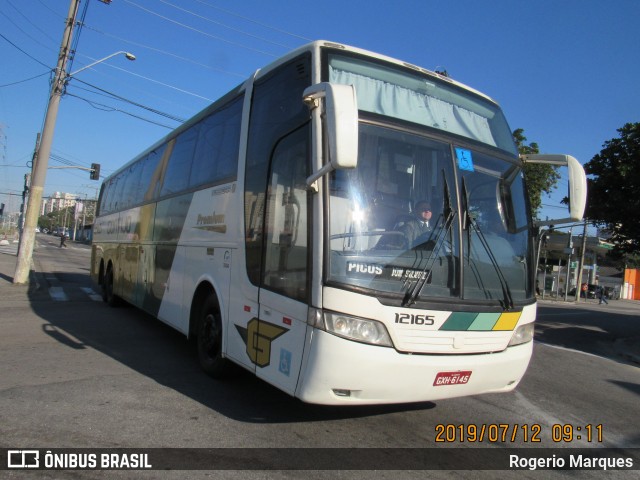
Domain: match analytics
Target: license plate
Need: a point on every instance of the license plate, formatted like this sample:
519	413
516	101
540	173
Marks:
451	378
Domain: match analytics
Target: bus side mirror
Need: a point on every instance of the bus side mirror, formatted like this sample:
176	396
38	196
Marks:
577	184
340	122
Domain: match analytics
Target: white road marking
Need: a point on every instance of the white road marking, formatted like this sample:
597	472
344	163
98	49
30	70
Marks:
57	293
92	295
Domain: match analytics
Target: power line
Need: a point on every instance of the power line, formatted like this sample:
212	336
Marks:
26	33
188	27
74	159
160	83
107	108
45	5
136	90
118	68
76	38
202	17
81	24
229	12
25	80
28	55
564	207
164	52
61	160
153	110
28	21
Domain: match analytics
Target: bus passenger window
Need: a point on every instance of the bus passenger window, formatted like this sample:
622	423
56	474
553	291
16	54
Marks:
176	178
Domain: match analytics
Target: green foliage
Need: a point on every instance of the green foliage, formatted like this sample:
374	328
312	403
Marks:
539	178
45	221
57	218
621	260
614	189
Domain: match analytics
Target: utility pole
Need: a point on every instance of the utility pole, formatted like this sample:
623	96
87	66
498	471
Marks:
25	191
569	250
581	266
27	239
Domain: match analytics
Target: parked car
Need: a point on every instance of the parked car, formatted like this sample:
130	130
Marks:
590	293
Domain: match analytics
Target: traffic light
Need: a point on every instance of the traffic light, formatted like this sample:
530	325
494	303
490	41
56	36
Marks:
95	171
1	209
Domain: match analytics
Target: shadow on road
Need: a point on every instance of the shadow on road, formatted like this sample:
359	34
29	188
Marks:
155	350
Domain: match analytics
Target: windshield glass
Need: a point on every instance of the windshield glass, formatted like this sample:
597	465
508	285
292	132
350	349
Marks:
395	225
424	99
496	240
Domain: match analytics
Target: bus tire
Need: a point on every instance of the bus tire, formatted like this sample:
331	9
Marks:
209	339
107	289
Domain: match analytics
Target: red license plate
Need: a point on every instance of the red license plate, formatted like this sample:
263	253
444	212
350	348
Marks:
451	378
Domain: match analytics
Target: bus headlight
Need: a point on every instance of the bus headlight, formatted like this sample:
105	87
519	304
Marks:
358	329
523	334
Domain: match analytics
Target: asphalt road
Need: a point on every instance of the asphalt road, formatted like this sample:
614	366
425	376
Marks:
78	374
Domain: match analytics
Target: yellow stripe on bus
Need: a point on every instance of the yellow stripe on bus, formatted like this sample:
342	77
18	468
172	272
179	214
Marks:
507	321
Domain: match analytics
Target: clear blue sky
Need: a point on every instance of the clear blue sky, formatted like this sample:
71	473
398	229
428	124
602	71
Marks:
566	71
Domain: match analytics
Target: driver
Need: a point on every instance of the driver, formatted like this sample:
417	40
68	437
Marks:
418	229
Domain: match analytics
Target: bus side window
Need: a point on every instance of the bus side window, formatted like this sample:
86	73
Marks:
150	176
216	155
176	178
285	255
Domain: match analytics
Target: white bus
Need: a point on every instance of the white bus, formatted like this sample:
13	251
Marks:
273	225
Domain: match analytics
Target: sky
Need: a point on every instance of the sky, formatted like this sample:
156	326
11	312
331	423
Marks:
567	71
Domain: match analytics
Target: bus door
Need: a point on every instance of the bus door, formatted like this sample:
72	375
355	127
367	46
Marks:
283	298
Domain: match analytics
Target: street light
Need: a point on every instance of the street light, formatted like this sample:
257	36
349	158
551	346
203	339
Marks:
128	55
27	239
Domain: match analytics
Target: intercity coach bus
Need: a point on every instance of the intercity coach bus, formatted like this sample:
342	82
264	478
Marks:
271	227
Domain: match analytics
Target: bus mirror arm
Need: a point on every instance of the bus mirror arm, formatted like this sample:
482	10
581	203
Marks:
577	185
340	118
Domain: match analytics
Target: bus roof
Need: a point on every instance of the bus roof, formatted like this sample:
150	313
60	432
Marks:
317	45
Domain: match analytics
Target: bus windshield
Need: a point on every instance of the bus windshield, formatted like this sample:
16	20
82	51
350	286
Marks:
421	219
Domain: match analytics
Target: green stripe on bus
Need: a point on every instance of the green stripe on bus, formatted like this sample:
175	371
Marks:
484	321
459	321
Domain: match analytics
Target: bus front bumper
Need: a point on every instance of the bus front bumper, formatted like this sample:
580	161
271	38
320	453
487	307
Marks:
336	371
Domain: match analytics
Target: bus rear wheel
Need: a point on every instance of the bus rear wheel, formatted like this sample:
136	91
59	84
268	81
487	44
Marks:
209	339
107	289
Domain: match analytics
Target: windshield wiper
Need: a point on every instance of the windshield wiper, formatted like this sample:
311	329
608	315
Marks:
469	223
443	227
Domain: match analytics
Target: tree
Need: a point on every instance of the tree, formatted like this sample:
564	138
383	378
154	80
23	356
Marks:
539	177
614	189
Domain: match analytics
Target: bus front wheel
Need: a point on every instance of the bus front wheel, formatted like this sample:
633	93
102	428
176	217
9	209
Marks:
210	339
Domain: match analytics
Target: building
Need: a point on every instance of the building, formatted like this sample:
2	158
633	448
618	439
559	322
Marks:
58	201
631	285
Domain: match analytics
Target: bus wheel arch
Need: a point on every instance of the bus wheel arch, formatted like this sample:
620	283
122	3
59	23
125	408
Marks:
207	328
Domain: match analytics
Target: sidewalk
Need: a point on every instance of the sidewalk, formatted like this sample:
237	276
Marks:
590	301
35	290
